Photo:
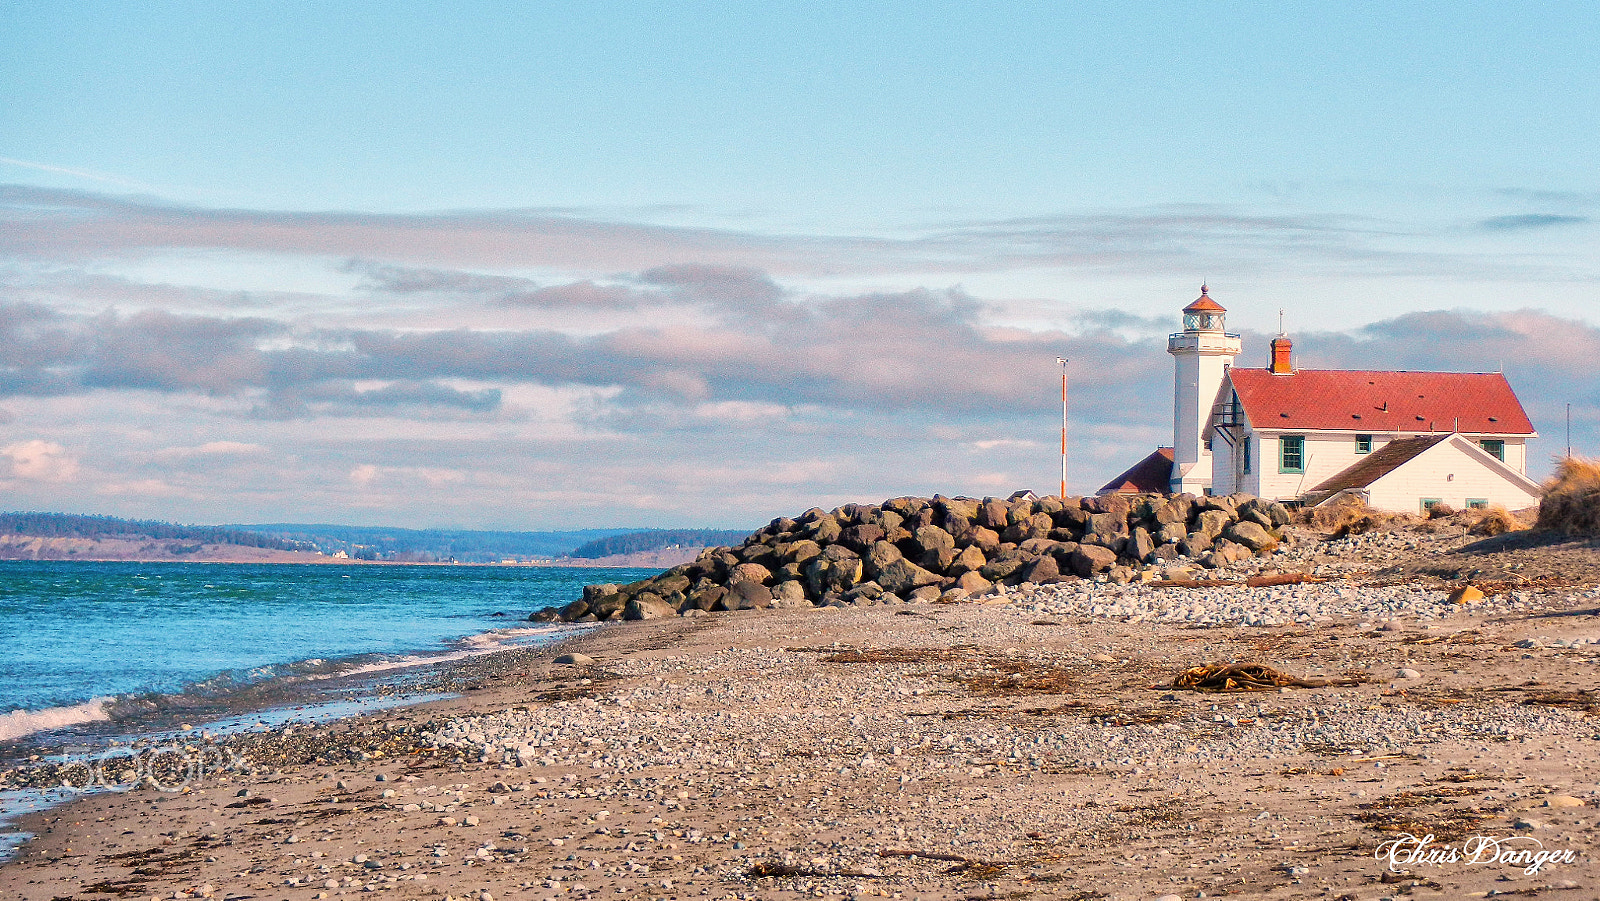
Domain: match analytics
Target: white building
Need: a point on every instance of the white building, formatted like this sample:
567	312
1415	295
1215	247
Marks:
1399	440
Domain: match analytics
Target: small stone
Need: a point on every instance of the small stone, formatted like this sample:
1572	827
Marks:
1408	673
1562	801
447	821
1523	824
1531	644
470	821
1466	594
573	660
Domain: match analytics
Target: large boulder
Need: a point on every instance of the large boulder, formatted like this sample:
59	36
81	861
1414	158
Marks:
827	531
608	607
971	559
938	559
1003	565
750	572
880	555
993	514
1089	559
901	576
799	551
837	569
1252	536
751	595
985	539
859	538
930	538
592	593
1210	523
572	611
1042	570
648	605
787	595
1139	544
973	583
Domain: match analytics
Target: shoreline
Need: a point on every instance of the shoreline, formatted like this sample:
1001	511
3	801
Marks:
929	751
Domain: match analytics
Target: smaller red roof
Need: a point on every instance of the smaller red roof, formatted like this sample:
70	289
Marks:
1152	475
1204	304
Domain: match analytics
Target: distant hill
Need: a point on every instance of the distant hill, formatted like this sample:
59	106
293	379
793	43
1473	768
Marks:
40	536
71	525
431	545
654	540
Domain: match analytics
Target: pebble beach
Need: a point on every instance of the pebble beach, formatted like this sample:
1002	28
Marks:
1029	743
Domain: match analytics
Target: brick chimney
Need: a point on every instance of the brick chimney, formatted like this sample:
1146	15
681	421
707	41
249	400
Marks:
1281	364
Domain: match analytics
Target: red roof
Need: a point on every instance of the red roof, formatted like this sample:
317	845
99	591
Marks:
1360	401
1152	475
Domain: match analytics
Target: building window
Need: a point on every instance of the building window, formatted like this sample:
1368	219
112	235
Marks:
1292	453
1363	444
1477	503
1428	503
1244	452
1495	447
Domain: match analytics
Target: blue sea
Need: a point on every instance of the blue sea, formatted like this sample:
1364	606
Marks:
81	644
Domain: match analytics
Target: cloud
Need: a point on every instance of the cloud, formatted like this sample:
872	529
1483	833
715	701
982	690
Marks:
40	461
1530	222
212	449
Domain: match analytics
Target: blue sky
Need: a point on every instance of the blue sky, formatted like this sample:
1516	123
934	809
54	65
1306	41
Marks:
560	265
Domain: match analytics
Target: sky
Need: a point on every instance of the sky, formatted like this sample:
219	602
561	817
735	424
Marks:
567	265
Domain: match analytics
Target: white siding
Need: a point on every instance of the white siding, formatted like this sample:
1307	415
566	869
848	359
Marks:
1451	474
1326	455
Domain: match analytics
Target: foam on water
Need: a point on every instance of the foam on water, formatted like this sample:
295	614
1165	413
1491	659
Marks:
18	723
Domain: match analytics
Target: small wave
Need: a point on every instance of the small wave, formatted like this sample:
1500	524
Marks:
18	723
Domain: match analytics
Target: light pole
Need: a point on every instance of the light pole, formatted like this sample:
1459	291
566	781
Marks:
1063	362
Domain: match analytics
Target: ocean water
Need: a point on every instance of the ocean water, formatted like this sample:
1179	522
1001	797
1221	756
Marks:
78	640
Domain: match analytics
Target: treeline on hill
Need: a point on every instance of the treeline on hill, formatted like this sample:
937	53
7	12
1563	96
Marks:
431	545
72	525
656	539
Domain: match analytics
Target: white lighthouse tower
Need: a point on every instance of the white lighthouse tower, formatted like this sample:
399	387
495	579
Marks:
1201	353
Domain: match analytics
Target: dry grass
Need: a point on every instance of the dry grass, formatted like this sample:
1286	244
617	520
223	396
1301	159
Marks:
1496	520
1572	498
1349	516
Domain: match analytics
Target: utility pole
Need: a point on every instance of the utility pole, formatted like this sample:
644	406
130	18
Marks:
1063	362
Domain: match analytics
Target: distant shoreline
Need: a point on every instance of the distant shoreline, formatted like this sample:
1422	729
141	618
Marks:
116	550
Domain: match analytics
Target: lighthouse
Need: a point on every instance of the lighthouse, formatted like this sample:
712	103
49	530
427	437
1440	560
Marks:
1201	354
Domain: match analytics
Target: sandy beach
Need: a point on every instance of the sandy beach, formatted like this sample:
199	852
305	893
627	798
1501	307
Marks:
916	751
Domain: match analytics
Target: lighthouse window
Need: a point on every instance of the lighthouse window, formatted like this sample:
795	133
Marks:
1363	444
1495	446
1292	453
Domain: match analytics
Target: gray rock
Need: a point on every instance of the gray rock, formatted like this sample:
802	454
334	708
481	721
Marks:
647	605
1252	536
1089	559
1210	523
575	660
902	576
788	595
750	572
985	539
836	569
973	583
930	538
882	554
595	592
970	559
751	595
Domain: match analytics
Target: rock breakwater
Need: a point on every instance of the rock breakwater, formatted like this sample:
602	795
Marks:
913	548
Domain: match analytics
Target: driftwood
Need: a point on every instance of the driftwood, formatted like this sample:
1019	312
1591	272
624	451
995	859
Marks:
1252	582
1248	677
